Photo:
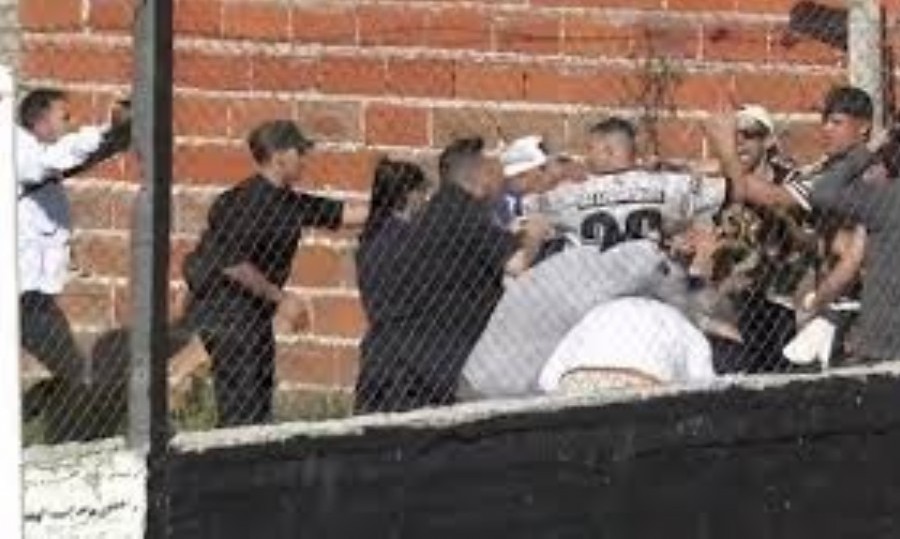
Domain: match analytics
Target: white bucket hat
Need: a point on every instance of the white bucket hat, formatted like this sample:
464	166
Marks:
522	155
748	115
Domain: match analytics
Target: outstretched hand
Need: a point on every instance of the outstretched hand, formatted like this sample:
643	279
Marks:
120	112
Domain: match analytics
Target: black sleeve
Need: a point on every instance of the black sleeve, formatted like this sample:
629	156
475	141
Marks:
495	245
233	230
319	212
839	189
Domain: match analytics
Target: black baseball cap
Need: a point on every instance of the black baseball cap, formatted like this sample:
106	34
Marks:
277	136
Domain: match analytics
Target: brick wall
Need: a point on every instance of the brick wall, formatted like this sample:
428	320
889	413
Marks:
401	77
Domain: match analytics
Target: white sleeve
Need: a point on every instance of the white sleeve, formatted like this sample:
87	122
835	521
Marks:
37	162
708	196
799	187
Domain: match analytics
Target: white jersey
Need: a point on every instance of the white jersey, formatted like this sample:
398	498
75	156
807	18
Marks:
635	204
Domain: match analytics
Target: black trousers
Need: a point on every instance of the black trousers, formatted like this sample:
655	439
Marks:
47	335
242	351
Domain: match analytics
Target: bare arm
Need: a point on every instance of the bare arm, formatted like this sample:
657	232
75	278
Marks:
355	214
744	187
249	277
844	273
535	231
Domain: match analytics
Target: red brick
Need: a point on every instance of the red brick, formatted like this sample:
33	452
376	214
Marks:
190	211
198	17
736	42
669	138
528	33
123	307
83	107
112	170
76	61
350	171
208	70
91	206
392	25
701	5
420	78
352	75
330	120
802	141
451	123
667	40
598	37
179	248
259	21
215	164
476	80
631	4
784	92
200	116
576	85
110	15
103	255
701	90
50	14
782	7
87	304
391	125
318	365
319	266
458	28
328	25
247	114
122	203
283	73
803	51
338	316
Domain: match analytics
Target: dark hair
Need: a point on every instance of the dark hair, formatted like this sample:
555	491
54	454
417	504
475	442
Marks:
394	181
849	100
456	158
614	126
890	154
36	103
276	136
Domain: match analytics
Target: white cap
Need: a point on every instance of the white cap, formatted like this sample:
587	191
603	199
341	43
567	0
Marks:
522	155
755	114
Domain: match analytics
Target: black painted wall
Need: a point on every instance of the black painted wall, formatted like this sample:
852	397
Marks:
810	459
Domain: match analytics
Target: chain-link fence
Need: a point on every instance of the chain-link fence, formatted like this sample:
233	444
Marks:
73	219
383	206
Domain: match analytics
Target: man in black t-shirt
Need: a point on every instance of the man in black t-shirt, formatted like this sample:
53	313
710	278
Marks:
237	273
438	290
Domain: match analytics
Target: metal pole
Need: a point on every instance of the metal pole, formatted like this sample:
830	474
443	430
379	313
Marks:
152	101
10	410
865	20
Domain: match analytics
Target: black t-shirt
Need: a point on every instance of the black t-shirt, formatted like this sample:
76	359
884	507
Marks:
259	223
431	286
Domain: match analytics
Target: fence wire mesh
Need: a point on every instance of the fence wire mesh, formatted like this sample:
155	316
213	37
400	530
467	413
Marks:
73	232
383	206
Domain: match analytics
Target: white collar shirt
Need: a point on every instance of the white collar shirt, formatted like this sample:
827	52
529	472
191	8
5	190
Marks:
44	217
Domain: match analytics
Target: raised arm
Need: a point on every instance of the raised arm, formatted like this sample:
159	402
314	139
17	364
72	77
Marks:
744	187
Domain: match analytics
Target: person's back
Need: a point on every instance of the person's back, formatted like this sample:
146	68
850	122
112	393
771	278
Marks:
450	266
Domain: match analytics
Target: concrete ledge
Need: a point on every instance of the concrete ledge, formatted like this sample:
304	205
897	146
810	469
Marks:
484	410
84	491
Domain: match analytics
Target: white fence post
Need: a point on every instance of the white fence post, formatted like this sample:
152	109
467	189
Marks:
10	407
866	51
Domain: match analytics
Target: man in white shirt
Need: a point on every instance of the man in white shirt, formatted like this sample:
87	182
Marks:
47	153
